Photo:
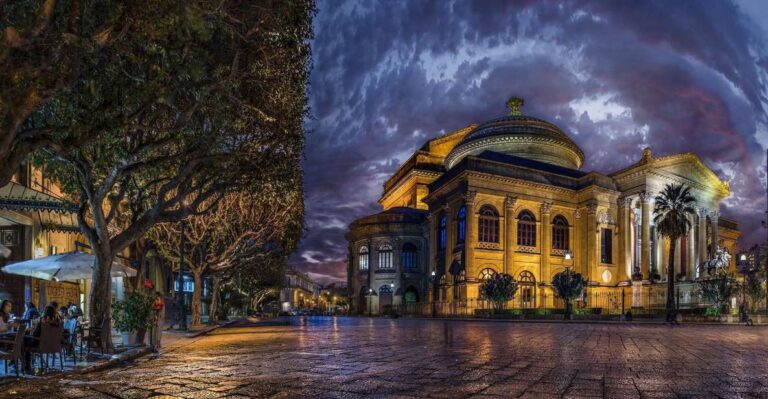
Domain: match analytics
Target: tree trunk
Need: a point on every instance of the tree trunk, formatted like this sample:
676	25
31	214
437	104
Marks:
671	279
101	295
568	310
197	318
215	292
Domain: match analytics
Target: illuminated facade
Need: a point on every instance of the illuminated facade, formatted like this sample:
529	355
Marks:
508	196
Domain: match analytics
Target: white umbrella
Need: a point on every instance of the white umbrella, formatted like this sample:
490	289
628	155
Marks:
70	266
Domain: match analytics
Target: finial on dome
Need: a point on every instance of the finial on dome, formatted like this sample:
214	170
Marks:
514	104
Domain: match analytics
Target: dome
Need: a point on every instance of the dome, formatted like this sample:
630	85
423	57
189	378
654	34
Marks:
521	136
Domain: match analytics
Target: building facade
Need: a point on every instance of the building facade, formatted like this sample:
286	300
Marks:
300	293
508	196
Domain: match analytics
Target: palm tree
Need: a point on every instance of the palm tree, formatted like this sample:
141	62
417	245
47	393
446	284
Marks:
674	207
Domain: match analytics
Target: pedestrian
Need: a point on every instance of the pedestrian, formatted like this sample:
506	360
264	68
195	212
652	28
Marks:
6	319
74	310
158	310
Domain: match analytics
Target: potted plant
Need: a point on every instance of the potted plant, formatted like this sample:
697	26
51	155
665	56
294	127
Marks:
133	315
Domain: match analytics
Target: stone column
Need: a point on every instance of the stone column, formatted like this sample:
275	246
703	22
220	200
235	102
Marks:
510	233
701	251
691	253
592	247
470	242
645	249
546	240
625	242
714	215
432	245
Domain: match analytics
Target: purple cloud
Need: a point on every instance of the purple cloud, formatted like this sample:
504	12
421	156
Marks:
688	76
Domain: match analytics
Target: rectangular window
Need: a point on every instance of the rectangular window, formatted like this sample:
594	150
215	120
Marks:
606	246
364	262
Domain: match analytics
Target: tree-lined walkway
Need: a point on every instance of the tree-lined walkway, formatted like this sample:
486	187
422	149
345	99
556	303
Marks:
349	358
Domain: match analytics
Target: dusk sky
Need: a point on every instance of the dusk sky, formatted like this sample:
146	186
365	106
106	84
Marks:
617	76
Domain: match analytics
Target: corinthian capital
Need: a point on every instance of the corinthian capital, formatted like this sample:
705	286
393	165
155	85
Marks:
546	207
646	196
591	209
469	197
510	201
624	202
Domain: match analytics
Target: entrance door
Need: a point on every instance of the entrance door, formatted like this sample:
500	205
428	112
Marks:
385	298
527	290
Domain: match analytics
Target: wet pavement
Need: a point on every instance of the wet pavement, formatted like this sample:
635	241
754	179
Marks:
359	357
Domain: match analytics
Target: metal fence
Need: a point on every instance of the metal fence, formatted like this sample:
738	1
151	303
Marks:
599	302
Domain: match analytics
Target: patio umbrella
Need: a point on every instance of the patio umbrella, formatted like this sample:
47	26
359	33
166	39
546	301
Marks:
70	266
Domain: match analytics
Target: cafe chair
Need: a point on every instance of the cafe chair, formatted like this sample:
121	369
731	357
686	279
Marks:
14	354
70	341
50	344
93	337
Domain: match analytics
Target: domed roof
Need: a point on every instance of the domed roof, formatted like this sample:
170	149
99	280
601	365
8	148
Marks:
522	136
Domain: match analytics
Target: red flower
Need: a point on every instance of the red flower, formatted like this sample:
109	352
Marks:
148	284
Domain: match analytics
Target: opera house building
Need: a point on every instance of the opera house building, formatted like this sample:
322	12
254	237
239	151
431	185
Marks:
509	196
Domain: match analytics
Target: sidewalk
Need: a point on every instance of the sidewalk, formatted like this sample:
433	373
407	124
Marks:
96	361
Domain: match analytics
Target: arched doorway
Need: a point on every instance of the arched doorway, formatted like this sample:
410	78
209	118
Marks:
527	284
385	298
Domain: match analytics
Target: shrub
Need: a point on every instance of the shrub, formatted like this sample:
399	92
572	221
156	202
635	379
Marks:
498	289
134	313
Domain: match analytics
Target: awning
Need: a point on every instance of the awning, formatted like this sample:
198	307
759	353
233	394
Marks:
70	266
59	222
16	197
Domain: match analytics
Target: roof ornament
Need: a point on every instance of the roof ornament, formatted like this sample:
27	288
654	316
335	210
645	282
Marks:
514	104
647	155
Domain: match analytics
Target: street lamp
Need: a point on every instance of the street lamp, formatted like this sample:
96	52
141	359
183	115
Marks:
744	266
434	293
568	272
182	244
370	298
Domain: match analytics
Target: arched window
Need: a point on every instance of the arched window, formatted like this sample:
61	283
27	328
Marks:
487	273
441	232
362	259
409	256
526	229
560	233
385	257
385	289
488	225
461	226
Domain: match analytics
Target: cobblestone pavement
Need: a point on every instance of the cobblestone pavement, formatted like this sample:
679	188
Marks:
350	358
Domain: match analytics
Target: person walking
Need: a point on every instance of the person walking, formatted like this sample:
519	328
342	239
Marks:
158	308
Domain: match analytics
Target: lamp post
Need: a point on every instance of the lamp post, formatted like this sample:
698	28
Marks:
744	266
434	293
370	299
568	256
182	308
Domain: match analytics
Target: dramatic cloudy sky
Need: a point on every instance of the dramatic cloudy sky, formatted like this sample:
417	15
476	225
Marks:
617	76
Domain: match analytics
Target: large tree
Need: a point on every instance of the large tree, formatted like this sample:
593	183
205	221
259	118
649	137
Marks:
674	210
244	230
44	45
203	99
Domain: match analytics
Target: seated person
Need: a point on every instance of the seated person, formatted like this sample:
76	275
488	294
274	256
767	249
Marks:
63	313
50	318
5	315
31	312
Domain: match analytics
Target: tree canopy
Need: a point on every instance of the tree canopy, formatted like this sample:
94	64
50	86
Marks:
194	101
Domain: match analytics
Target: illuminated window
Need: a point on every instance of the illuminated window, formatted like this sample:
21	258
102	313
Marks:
461	227
363	258
488	225
441	232
487	273
559	233
385	257
409	256
606	246
526	229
